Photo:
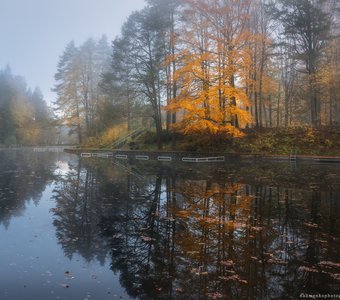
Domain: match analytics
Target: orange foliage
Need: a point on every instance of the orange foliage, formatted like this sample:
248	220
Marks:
213	65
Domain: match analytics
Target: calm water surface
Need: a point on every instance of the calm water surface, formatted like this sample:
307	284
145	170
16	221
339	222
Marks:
74	228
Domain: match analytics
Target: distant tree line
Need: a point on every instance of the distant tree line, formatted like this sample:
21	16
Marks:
208	66
25	118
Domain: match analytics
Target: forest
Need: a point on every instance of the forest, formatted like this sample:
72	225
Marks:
213	69
25	118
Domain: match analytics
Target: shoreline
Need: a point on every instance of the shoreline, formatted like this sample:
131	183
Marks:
188	156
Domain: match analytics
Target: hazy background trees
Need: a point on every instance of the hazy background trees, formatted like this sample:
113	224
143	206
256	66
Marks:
306	24
79	99
25	118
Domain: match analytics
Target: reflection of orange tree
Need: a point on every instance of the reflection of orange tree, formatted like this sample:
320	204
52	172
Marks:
216	218
242	240
202	238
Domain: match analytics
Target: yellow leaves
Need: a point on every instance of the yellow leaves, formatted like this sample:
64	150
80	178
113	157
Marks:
207	100
209	111
196	124
232	130
212	68
243	116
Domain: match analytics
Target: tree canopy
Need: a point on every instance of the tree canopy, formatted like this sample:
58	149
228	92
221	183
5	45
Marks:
207	66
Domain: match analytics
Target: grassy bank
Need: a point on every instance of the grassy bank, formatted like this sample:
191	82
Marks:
281	141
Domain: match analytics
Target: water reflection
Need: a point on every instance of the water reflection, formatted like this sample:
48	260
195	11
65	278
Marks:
78	211
218	232
23	177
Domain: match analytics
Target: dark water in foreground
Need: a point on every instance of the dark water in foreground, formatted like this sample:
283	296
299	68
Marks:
102	229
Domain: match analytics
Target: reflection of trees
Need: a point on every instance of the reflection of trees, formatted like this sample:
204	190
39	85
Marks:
134	232
23	177
201	235
78	212
252	241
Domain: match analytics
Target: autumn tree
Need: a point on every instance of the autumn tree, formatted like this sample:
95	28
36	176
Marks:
212	62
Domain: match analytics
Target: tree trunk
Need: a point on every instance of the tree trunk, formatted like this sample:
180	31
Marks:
255	91
234	118
270	112
314	104
158	124
265	114
174	82
80	138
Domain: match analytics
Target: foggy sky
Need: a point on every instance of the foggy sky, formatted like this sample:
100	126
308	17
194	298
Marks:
34	33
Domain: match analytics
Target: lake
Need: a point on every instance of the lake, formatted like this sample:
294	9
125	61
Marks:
94	228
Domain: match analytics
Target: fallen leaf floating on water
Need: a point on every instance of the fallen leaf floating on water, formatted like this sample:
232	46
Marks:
233	278
68	274
268	254
198	271
228	263
208	220
308	269
256	228
117	236
215	295
235	224
277	261
311	225
321	241
147	238
330	264
192	252
335	276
